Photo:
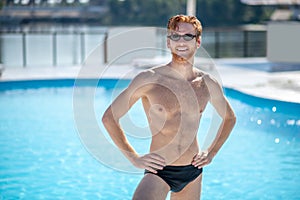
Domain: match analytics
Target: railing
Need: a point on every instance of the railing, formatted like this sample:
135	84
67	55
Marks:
58	48
51	48
235	42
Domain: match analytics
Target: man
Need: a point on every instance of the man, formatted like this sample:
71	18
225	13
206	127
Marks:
174	97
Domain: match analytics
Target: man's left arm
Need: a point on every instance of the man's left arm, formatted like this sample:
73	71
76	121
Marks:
223	108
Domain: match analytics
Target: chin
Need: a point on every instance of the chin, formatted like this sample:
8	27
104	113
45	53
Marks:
180	59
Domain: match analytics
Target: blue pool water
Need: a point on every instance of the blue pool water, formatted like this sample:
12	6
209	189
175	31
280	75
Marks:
42	157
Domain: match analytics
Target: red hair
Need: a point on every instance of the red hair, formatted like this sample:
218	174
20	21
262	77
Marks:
173	23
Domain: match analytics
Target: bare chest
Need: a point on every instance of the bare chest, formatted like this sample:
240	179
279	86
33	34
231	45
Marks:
176	96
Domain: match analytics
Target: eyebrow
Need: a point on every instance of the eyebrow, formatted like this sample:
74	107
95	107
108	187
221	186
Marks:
190	31
179	33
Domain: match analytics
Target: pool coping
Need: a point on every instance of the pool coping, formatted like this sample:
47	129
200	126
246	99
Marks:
281	86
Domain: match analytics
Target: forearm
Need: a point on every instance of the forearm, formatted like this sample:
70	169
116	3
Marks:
118	136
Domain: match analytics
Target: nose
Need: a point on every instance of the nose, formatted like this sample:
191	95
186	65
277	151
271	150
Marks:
181	40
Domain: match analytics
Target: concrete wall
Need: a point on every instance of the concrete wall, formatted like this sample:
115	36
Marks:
283	42
126	44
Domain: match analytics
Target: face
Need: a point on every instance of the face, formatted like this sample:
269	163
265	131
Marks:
183	50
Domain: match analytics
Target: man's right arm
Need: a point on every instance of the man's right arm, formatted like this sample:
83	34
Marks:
120	106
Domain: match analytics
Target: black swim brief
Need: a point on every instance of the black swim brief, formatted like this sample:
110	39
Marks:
177	177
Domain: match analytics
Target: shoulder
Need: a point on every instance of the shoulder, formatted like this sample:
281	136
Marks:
212	84
201	75
208	78
198	72
145	79
148	75
143	76
151	74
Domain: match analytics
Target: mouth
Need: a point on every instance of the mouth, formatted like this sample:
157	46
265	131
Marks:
181	49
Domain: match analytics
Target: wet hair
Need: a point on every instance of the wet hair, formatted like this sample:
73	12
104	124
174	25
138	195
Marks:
173	23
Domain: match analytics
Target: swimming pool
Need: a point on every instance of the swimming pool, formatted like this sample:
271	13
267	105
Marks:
42	157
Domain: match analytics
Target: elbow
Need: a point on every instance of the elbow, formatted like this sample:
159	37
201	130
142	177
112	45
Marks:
107	117
230	116
231	119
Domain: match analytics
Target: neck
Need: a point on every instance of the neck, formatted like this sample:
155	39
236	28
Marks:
183	67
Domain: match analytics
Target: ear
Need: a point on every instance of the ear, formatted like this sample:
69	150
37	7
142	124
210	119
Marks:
168	43
198	42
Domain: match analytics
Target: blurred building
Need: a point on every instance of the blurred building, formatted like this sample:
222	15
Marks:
32	11
283	44
285	9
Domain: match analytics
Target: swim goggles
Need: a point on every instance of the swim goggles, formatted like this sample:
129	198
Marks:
186	37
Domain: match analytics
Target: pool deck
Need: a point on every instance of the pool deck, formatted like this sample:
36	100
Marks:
283	86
